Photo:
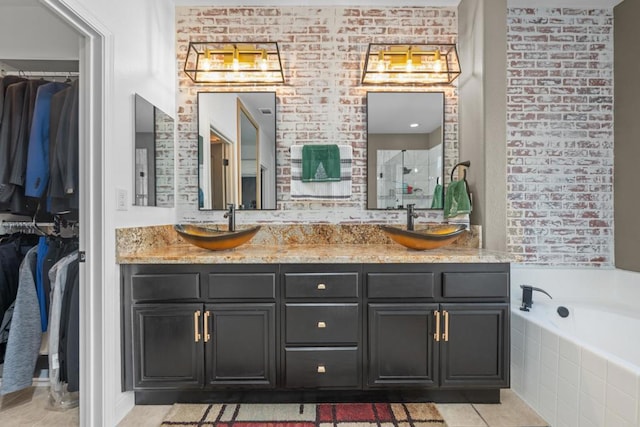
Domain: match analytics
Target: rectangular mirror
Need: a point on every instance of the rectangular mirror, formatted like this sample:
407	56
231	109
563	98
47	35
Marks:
236	150
154	156
405	149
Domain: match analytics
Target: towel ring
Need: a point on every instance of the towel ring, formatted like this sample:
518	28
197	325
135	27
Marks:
466	164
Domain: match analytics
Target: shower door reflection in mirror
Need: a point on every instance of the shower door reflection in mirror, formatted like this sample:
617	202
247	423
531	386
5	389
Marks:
405	149
236	150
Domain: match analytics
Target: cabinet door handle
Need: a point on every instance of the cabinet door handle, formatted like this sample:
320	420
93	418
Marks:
321	369
322	325
207	337
322	286
445	335
436	336
196	326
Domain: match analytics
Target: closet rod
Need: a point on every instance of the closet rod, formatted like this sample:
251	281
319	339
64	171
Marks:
40	73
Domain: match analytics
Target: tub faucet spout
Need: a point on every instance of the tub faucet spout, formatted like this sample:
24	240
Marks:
527	296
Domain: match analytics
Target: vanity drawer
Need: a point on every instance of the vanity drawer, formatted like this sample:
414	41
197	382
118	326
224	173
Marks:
321	367
238	285
321	323
321	285
475	285
401	285
158	287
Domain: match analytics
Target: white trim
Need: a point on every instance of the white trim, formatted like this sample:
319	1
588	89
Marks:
95	49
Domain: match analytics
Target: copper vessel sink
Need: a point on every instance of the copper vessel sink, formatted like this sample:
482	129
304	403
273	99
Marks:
429	236
215	239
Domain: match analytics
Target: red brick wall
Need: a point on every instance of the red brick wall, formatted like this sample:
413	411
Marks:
322	52
560	136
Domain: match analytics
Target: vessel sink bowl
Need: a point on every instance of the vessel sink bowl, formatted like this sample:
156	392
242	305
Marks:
430	236
215	239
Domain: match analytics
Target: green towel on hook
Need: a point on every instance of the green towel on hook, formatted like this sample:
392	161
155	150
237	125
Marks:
320	163
436	201
456	200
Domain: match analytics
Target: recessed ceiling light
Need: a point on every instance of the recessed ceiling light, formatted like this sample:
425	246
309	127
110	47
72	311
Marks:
414	125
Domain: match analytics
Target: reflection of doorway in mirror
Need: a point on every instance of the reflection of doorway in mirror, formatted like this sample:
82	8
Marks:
221	181
249	156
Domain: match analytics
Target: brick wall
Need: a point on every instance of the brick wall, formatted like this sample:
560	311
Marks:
322	52
560	136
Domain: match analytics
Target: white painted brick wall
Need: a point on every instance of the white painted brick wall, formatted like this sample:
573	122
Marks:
560	136
322	52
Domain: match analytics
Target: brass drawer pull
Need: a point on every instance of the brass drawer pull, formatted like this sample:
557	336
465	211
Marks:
322	325
445	335
196	326
322	286
436	336
321	369
207	337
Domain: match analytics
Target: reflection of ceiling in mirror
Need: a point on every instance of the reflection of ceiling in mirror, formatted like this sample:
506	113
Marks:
265	103
393	112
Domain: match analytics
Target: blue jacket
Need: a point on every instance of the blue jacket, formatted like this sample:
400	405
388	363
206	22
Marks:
38	155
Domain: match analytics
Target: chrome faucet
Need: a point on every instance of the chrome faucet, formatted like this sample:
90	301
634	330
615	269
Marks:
231	215
527	296
411	215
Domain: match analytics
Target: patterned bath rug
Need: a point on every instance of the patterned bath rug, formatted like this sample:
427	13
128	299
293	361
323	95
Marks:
305	415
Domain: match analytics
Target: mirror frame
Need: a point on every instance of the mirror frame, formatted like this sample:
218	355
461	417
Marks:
371	153
235	163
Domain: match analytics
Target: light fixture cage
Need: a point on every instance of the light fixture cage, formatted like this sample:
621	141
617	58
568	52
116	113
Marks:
234	63
410	64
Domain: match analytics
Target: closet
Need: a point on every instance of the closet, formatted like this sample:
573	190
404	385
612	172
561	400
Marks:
39	211
39	214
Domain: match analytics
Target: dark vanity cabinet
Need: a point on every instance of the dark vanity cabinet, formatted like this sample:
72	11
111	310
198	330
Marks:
190	327
429	326
321	326
367	327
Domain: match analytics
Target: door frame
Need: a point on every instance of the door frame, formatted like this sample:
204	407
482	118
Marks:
96	50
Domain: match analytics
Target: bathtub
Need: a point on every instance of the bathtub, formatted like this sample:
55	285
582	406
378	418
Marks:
584	369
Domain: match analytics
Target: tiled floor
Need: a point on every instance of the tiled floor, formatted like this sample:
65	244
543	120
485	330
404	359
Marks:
29	408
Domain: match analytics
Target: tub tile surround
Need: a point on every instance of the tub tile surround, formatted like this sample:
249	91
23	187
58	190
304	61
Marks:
296	243
567	383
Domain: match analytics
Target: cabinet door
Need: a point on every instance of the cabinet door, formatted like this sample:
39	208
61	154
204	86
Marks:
401	345
240	346
167	352
477	350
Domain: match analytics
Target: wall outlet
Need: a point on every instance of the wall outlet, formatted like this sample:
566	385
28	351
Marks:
121	199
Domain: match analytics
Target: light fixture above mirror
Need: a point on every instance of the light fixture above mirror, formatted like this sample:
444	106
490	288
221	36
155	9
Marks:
234	63
414	64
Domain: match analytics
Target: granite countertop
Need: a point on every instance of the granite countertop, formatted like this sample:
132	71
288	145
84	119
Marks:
300	254
161	245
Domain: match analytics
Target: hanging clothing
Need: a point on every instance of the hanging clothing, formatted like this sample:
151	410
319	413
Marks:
69	347
58	277
64	154
37	177
43	297
9	137
25	333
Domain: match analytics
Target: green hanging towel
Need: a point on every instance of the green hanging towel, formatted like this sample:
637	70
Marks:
436	201
320	163
456	201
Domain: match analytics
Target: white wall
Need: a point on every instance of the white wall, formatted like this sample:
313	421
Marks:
29	31
142	61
